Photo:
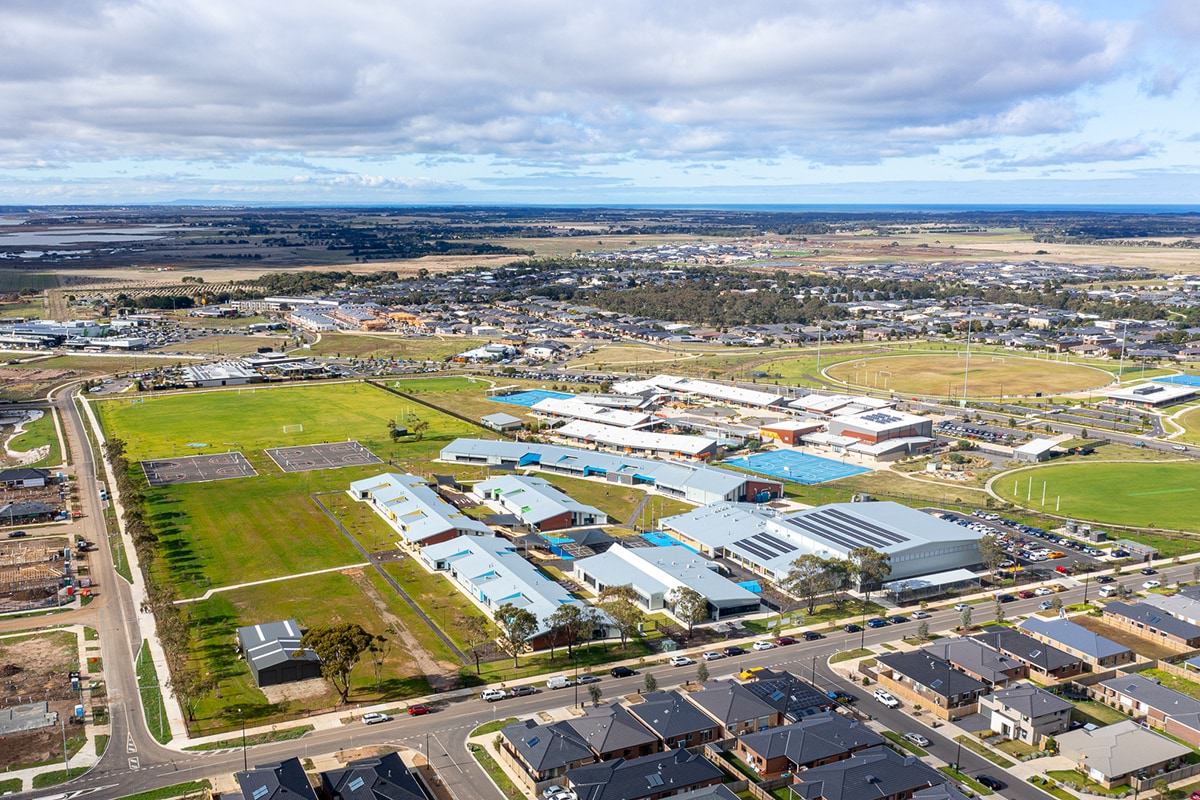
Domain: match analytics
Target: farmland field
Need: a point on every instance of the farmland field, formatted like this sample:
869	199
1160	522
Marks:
1141	494
253	420
990	375
14	280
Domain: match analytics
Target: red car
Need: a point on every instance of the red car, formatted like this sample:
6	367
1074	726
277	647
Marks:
782	640
1025	594
419	709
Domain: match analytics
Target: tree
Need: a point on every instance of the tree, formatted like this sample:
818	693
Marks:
650	681
1056	603
689	606
867	568
923	630
515	626
594	693
701	672
991	552
965	618
379	650
1196	573
807	579
999	611
339	647
618	603
475	635
568	623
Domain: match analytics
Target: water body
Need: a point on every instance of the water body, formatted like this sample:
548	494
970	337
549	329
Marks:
67	236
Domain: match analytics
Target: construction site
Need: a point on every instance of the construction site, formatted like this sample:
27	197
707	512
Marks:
41	573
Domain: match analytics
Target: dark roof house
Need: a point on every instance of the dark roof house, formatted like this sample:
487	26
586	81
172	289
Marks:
1038	656
612	732
673	719
646	778
793	697
735	707
876	774
382	778
547	751
281	780
272	651
815	740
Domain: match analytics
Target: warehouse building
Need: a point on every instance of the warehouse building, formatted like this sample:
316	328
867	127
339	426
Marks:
574	408
661	445
491	572
880	426
273	653
695	482
414	510
654	571
538	504
1152	395
767	542
225	373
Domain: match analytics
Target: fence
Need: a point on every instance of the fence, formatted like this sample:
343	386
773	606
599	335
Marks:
1188	771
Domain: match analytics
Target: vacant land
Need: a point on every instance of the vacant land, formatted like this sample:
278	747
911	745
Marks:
35	667
226	345
1137	644
23	310
628	357
1145	494
14	280
39	433
248	420
989	375
393	347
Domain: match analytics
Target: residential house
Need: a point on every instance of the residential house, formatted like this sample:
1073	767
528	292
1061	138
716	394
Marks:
675	721
1092	648
1026	713
1153	624
879	773
544	753
381	778
815	740
981	662
1166	709
647	778
735	708
1042	660
932	682
1112	754
24	477
612	732
279	780
794	697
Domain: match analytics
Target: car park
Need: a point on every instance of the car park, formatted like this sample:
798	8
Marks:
621	672
681	661
492	695
711	655
917	739
372	717
763	646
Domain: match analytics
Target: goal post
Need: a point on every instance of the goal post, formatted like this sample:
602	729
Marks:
298	428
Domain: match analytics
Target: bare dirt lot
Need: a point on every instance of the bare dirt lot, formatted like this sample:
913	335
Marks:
35	668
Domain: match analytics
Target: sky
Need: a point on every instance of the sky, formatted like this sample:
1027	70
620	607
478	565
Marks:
619	101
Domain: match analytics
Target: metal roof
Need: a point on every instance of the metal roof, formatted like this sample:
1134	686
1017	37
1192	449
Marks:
533	499
413	509
657	570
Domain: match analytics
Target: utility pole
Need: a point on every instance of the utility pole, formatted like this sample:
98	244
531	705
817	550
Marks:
66	756
967	370
242	714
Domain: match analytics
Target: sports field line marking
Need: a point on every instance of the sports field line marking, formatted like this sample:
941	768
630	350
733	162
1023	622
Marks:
1162	491
211	592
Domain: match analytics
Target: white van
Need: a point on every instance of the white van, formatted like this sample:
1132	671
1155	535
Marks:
1109	591
558	682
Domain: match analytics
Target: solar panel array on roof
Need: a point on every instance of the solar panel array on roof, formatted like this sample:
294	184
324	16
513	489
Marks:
765	546
845	530
881	418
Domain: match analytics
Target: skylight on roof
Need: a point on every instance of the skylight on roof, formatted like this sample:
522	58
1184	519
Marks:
355	784
534	741
261	792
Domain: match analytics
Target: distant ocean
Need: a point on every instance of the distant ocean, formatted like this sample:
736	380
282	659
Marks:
929	208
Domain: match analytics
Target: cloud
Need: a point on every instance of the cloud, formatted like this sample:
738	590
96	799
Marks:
541	82
1086	153
1164	82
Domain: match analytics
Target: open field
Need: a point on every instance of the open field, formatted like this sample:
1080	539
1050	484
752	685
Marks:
226	345
31	308
246	420
989	375
618	502
326	599
1139	645
14	280
1190	421
425	348
629	357
1161	495
37	434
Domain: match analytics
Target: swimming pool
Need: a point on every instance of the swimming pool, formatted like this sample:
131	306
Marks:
790	465
528	398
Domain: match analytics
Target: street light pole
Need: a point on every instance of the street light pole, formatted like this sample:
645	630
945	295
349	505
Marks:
245	766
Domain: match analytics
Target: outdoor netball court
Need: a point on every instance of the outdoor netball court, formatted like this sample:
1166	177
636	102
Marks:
196	469
791	465
331	455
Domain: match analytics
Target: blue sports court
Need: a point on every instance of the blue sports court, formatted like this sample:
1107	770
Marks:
530	397
790	465
1180	380
660	539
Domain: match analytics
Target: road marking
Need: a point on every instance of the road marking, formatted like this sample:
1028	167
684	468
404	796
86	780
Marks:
134	763
130	747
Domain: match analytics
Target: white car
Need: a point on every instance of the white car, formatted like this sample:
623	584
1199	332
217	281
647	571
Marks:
712	655
371	717
552	790
763	646
917	739
681	661
1151	584
960	606
920	615
492	695
885	697
1042	591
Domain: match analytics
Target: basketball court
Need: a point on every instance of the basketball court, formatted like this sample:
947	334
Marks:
197	469
331	455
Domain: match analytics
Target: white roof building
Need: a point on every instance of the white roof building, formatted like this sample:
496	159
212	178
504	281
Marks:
707	389
416	512
1152	395
536	502
668	444
575	408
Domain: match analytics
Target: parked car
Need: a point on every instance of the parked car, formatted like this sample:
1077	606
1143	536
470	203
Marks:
559	682
371	717
621	672
681	661
1060	569
1045	605
419	710
585	679
1042	591
1105	579
1005	598
851	628
885	697
764	646
877	622
990	782
522	691
917	739
16	534
1151	584
492	695
734	650
921	615
552	790
811	636
783	641
841	697
1149	571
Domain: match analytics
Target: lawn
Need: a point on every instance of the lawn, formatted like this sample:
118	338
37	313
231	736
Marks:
627	356
1190	421
509	789
1172	681
40	433
1156	495
1096	713
437	597
990	375
252	420
966	780
153	704
374	346
33	308
981	749
619	502
849	655
222	533
226	345
657	508
316	600
1072	777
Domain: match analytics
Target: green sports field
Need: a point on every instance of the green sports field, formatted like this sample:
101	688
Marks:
40	433
990	375
166	425
1162	495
